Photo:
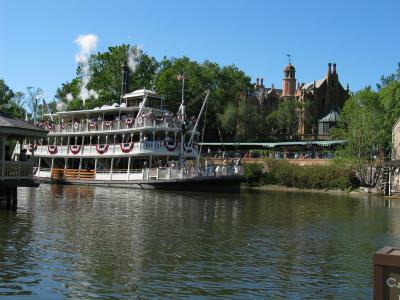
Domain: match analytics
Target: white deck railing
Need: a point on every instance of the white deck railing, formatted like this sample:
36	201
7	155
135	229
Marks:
101	126
16	170
150	173
144	147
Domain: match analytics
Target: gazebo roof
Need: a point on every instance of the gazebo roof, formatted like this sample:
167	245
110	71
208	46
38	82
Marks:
332	117
13	127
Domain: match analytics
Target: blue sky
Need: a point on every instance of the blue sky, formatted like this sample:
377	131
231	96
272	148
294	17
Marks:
37	37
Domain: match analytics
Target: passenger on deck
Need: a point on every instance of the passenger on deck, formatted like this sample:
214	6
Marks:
22	156
7	154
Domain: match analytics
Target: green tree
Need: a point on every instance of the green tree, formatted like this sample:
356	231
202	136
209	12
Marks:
228	84
10	102
106	77
242	122
361	126
389	97
385	80
284	120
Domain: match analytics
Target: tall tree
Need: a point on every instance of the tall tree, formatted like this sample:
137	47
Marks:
385	80
106	78
284	120
10	102
228	84
361	126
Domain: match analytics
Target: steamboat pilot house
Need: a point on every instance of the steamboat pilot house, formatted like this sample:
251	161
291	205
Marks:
120	142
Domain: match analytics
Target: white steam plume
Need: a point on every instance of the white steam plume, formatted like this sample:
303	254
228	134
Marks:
69	97
60	106
87	44
134	53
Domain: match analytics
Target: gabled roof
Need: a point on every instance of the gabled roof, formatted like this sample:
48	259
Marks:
14	127
332	117
310	85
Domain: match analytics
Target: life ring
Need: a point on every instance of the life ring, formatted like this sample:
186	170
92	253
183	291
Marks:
108	124
101	148
76	125
140	120
92	125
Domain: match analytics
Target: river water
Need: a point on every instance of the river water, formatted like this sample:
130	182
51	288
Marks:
92	242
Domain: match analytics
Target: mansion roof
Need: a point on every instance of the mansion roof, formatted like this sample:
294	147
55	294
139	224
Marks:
314	84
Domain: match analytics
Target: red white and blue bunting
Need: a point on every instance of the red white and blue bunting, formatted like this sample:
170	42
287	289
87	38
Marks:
75	149
171	147
101	148
52	149
126	147
129	121
32	147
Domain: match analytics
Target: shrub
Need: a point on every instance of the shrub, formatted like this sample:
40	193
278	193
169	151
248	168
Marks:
333	176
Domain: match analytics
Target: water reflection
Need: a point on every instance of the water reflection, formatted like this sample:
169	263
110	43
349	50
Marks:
86	242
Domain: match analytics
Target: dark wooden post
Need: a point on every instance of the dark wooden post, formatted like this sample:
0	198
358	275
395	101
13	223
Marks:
387	274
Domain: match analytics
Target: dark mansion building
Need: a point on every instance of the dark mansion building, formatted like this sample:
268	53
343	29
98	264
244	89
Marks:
324	98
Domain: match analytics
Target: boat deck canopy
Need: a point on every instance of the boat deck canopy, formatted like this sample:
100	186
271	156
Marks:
277	144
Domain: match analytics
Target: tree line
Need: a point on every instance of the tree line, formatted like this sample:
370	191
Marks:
365	121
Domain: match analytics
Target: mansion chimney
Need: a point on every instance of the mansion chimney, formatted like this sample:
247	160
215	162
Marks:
289	81
328	73
334	69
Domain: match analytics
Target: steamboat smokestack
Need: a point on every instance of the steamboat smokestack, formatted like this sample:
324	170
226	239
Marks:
125	79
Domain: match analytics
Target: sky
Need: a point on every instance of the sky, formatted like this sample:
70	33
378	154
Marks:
37	45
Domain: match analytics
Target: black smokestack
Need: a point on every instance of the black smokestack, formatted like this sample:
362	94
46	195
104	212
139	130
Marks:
125	79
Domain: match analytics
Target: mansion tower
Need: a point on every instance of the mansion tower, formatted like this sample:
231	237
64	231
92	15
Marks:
322	99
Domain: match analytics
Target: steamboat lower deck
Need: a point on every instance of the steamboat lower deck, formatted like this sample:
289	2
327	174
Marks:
225	179
223	184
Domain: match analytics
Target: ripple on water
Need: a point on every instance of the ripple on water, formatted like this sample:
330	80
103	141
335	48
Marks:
94	242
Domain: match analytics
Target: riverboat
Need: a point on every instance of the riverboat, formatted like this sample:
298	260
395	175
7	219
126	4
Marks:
136	143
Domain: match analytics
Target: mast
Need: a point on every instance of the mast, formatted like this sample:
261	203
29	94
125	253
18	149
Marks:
198	119
142	105
182	109
182	106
